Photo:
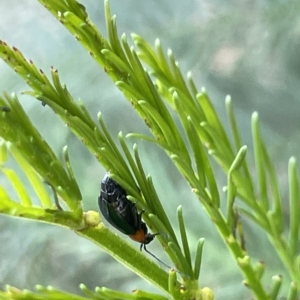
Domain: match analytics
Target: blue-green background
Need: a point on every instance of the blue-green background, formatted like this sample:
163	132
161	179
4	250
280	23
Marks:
248	49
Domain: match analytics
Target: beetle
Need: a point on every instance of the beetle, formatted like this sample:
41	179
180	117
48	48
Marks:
122	213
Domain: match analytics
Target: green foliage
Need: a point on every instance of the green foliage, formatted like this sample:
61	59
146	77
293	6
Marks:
161	96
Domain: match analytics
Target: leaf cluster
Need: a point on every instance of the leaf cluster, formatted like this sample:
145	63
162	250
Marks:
154	84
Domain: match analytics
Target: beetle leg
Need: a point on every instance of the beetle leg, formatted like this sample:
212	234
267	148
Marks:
55	195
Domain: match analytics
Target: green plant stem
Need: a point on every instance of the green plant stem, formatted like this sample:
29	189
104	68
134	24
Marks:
288	260
238	253
127	255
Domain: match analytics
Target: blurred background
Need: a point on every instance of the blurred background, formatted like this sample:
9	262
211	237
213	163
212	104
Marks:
248	49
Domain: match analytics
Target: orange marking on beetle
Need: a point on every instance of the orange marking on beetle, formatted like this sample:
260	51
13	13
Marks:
139	236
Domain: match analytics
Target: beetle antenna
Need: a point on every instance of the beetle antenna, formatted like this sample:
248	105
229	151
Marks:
144	246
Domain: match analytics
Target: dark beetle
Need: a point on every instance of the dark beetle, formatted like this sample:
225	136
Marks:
121	213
